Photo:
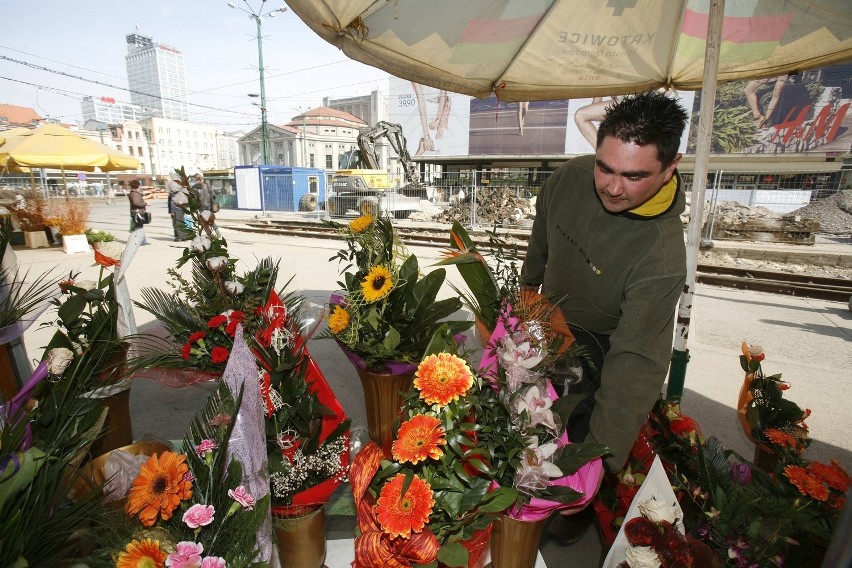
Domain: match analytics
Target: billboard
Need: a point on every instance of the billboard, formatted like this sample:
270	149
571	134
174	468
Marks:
806	112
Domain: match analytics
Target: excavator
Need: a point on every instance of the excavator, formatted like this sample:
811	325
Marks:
363	187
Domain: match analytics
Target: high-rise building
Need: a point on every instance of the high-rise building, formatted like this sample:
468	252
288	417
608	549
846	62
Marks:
156	76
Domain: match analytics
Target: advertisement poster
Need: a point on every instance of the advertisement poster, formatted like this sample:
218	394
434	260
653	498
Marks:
435	122
803	112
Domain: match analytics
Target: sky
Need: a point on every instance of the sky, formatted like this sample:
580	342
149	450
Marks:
82	45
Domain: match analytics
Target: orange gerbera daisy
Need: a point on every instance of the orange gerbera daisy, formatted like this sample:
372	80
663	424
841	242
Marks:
442	377
806	483
338	320
159	488
141	554
780	438
401	515
418	439
834	475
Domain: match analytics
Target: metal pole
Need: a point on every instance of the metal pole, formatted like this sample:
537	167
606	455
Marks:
680	354
264	125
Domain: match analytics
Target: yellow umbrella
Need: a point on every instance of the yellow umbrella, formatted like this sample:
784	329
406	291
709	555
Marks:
52	146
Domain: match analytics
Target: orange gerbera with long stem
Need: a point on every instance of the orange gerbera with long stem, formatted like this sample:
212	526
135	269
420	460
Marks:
418	439
400	514
442	377
159	488
834	475
144	553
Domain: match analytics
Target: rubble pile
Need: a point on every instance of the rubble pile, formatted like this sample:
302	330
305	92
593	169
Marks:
493	205
833	213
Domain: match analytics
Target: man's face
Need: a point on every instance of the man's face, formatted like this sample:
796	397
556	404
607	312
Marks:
627	175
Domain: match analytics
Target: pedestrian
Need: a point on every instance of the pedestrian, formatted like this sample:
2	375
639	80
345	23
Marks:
138	207
177	213
110	194
607	246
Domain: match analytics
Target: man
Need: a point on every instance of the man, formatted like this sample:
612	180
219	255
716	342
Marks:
178	224
607	246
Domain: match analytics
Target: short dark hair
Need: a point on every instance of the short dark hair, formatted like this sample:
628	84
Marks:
134	184
645	119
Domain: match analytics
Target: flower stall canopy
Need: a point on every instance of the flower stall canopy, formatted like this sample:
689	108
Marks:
525	50
52	146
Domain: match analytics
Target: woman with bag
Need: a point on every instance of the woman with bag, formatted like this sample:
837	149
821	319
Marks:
138	214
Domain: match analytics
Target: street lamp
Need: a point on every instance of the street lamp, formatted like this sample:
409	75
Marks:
257	16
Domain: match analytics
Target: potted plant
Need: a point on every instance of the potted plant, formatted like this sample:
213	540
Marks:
29	209
72	226
95	237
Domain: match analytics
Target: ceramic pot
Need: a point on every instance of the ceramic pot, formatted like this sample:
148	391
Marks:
514	543
300	536
383	400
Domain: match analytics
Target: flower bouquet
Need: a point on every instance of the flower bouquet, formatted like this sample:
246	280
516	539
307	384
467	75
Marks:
549	472
190	509
432	499
386	315
389	311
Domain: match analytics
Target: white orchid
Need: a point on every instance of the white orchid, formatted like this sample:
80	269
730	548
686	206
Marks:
217	263
536	470
201	243
86	284
537	405
516	349
235	288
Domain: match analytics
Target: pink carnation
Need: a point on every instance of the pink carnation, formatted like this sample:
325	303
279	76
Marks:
242	496
213	562
205	447
199	516
186	555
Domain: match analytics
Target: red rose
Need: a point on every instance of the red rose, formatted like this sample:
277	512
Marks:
196	336
219	355
641	531
216	321
184	352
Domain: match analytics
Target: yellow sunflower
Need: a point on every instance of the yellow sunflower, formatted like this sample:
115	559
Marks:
418	439
377	284
360	224
159	488
141	554
442	377
338	320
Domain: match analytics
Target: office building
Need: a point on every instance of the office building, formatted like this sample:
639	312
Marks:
110	111
156	76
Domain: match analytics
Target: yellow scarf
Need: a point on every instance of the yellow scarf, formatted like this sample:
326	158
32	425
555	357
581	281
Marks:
660	202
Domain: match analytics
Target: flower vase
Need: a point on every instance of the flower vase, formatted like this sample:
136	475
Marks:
383	400
765	458
300	536
514	543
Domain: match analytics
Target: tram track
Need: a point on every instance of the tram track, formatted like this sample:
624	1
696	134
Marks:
800	285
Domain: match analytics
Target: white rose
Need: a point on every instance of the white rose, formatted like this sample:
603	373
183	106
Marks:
207	216
200	243
86	284
657	511
234	287
111	249
642	557
216	263
180	199
58	360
